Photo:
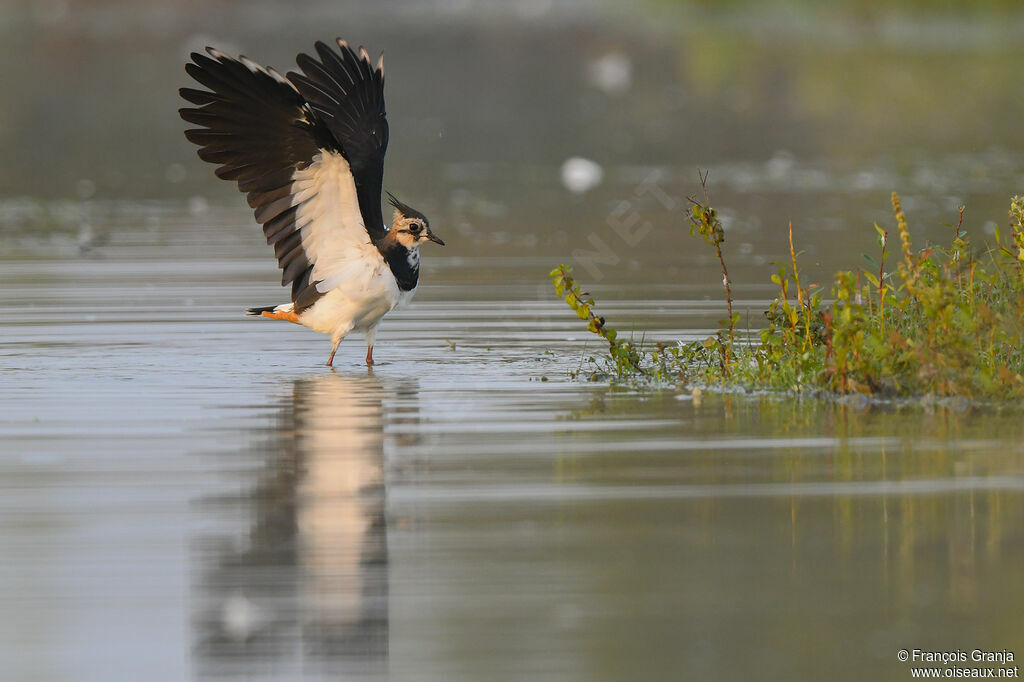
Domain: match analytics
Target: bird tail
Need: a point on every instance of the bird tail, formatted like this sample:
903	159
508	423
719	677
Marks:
256	312
284	312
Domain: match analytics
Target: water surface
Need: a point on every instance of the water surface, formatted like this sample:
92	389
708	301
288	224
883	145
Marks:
189	492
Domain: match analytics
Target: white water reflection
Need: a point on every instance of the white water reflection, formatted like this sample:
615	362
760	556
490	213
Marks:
306	586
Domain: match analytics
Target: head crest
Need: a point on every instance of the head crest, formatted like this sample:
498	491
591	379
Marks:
405	209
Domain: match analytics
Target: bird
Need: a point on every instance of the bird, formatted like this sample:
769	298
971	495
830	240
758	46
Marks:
307	149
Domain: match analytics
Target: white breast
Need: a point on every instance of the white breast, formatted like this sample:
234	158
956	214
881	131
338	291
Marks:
345	309
405	297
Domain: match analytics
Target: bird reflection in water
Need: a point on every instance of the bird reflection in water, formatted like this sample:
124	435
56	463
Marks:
306	588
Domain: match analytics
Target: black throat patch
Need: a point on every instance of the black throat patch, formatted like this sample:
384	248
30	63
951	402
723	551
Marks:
404	264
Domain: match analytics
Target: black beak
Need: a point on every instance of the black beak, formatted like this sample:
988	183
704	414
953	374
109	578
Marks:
434	238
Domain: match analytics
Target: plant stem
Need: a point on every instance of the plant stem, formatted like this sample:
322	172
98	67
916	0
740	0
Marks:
881	286
799	291
728	290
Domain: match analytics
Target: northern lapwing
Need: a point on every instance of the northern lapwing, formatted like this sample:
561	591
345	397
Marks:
308	151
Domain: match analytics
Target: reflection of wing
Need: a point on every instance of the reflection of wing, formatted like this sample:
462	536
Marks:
309	155
340	510
310	573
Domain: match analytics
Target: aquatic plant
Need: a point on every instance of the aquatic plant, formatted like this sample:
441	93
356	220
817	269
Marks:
626	358
943	322
704	221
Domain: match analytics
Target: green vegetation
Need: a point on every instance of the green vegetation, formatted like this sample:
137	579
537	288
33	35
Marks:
871	7
944	322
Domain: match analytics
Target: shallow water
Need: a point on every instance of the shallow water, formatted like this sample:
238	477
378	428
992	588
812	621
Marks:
187	493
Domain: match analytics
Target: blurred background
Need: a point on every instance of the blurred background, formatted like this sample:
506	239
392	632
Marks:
185	493
800	111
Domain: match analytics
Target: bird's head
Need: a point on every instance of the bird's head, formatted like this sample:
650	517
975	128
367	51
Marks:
409	227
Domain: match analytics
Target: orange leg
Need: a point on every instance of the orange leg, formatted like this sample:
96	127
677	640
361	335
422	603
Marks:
369	355
334	349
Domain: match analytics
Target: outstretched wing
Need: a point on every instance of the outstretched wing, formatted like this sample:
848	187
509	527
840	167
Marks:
295	169
347	94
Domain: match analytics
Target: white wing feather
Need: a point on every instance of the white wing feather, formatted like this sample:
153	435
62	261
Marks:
333	235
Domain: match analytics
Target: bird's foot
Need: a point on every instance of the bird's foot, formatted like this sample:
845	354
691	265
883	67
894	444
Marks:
369	355
334	349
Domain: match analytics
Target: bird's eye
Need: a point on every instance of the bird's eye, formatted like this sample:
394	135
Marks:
415	228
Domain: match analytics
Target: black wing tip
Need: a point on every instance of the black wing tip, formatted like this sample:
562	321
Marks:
194	116
215	56
361	54
203	61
